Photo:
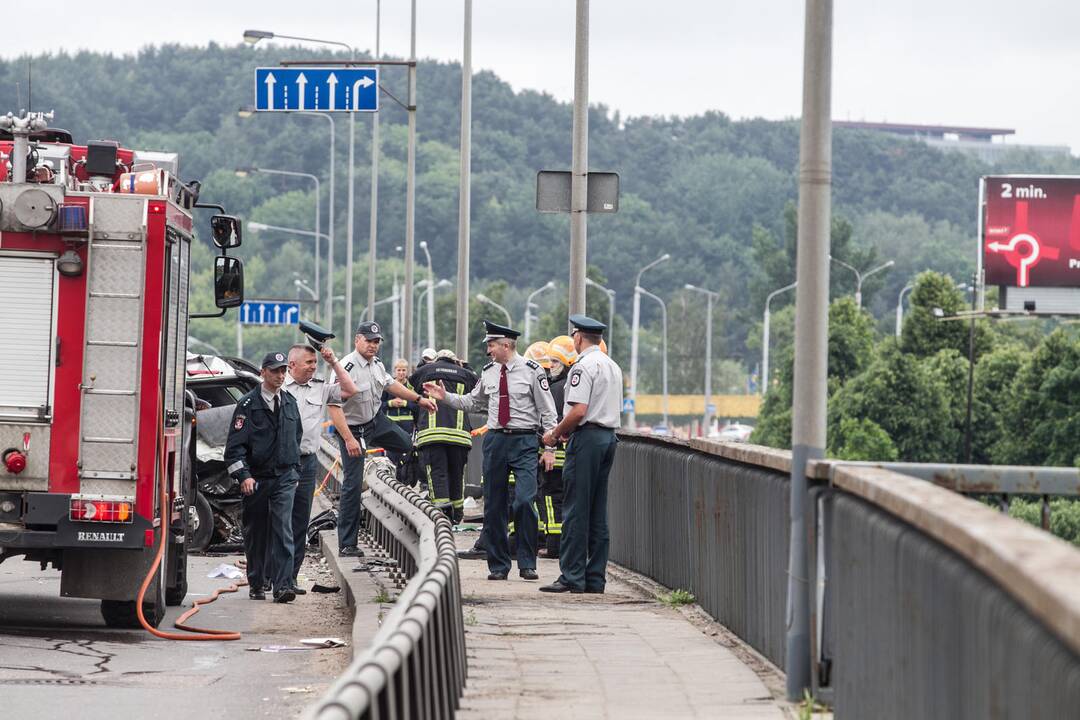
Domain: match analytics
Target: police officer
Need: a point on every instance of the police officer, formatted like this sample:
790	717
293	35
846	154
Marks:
312	394
263	455
444	437
360	418
590	417
515	393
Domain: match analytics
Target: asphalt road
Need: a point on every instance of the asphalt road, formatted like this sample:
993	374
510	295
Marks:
57	658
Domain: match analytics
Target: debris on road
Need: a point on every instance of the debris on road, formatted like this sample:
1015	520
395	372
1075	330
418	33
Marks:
224	570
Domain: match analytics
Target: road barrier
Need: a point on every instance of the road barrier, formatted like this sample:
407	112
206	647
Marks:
415	666
925	603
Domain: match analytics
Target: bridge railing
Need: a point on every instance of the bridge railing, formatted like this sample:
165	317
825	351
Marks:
925	603
415	666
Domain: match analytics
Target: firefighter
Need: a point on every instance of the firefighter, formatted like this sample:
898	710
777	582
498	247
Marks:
312	394
515	393
263	455
402	413
590	417
563	357
360	418
444	437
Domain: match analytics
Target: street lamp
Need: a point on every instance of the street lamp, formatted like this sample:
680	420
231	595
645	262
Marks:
488	301
428	296
253	36
859	277
765	337
245	171
431	297
710	297
550	285
611	312
663	317
328	318
257	227
632	415
900	306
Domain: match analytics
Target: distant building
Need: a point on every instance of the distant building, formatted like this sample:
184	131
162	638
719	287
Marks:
970	140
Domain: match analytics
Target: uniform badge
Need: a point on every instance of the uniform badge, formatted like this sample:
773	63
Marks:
544	383
279	357
238	424
575	379
374	327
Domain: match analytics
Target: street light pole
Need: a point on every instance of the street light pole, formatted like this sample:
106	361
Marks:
663	318
461	340
579	169
809	394
631	417
765	338
611	313
431	298
488	301
859	277
550	284
710	296
243	172
900	307
373	228
410	184
256	227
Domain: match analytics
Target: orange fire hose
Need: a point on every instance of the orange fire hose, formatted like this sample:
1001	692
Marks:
194	633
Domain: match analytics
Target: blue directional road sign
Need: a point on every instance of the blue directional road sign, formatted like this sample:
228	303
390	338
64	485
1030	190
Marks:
333	89
628	405
257	312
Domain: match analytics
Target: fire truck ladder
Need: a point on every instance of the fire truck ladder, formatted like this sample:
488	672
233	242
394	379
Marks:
114	317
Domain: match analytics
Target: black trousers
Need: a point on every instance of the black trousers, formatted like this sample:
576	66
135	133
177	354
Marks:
444	470
267	521
381	433
550	505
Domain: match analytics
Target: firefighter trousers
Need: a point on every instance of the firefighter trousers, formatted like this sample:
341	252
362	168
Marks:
267	521
550	505
444	470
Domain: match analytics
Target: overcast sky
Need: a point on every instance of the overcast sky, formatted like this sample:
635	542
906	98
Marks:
960	62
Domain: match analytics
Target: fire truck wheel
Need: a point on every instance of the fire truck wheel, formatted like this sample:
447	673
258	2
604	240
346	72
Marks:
175	594
202	524
121	613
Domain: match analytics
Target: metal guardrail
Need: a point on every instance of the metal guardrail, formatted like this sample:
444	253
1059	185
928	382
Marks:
712	526
924	604
415	666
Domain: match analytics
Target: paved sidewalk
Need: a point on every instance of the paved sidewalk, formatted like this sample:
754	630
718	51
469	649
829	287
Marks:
619	655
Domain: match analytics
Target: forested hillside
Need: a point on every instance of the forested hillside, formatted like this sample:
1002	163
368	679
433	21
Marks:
713	192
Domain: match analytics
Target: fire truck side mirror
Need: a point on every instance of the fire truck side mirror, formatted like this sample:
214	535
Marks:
228	282
226	231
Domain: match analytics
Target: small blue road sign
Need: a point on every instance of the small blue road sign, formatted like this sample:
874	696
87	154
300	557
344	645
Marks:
628	405
710	409
256	312
333	89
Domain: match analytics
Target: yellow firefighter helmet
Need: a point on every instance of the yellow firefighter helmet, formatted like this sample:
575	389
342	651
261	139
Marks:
539	352
562	349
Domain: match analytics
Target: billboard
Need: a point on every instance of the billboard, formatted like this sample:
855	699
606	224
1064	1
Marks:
1031	231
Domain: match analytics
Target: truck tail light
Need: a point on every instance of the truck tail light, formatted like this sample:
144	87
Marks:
101	510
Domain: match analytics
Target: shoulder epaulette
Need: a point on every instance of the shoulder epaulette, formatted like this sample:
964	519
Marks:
245	402
348	366
490	364
532	364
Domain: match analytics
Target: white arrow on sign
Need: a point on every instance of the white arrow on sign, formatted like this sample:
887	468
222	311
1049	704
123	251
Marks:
364	82
291	315
277	314
332	82
262	313
301	84
270	81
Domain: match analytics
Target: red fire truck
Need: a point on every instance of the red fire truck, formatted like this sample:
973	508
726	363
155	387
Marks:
95	421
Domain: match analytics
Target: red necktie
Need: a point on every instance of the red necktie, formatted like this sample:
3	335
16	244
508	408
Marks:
504	399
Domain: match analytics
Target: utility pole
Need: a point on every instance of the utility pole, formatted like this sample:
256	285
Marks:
579	191
410	194
809	400
461	339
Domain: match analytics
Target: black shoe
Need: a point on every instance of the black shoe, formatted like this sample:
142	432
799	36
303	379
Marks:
301	591
594	591
285	595
558	587
267	586
497	576
472	554
256	594
528	574
351	552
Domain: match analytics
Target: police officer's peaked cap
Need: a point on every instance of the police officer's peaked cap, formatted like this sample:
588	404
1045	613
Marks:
370	329
585	323
494	331
274	360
